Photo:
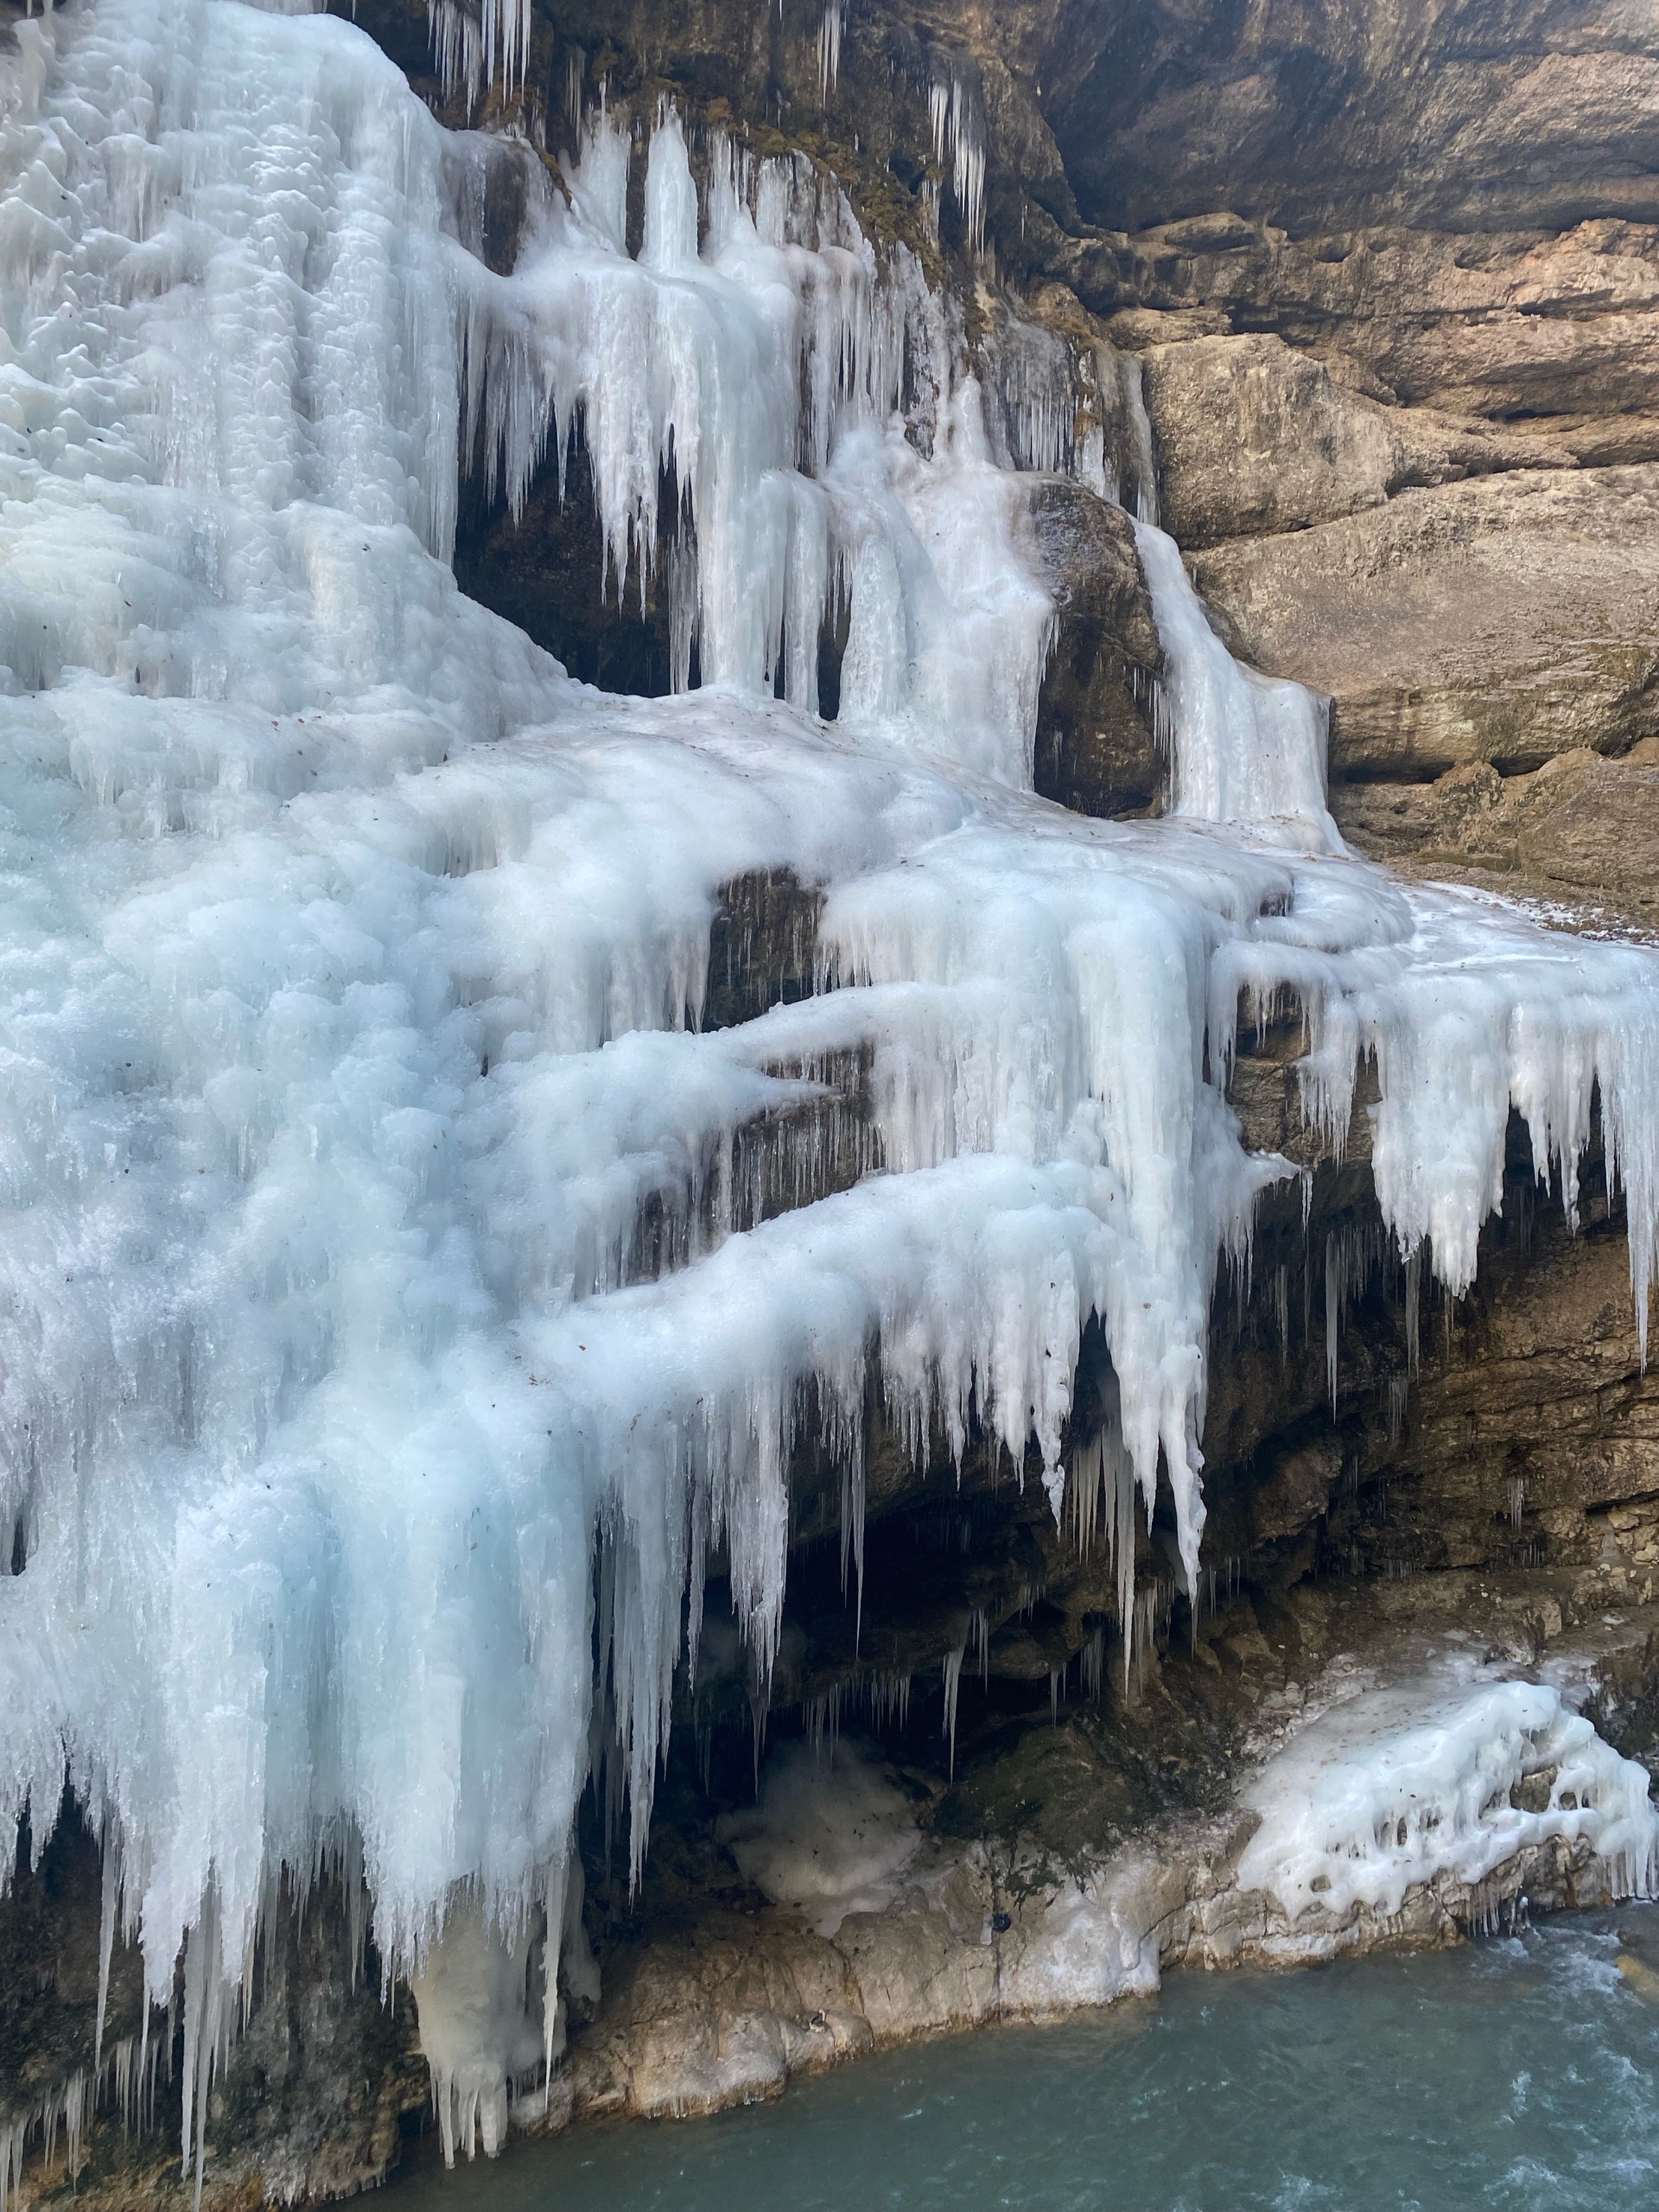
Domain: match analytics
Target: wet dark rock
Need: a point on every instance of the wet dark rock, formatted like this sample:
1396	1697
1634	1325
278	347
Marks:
1096	751
545	568
321	2089
763	947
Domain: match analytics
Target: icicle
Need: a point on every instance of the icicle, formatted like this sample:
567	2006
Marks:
830	50
952	1682
959	133
12	2134
1092	1662
146	2090
106	1943
1399	1395
1146	467
356	1914
1414	1294
558	1885
852	1526
204	2006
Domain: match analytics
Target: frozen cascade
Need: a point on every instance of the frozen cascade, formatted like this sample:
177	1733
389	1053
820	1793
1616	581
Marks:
353	959
697	356
829	32
1250	749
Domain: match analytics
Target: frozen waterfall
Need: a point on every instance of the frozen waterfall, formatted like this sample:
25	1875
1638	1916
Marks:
354	960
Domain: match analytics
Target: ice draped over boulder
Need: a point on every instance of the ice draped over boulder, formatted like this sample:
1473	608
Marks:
353	960
1425	1779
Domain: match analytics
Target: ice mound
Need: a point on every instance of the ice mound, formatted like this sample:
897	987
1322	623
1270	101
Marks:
1403	1785
831	1834
353	964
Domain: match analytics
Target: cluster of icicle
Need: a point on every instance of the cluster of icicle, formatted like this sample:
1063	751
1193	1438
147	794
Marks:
477	43
351	960
959	148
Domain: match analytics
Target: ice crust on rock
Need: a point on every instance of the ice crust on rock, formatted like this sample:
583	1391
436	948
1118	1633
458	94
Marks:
1401	1786
351	961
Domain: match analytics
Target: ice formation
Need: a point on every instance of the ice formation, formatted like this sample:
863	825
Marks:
959	146
355	958
477	2029
830	1835
1401	1786
1252	747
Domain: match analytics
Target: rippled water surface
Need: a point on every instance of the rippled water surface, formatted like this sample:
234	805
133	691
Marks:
1514	2074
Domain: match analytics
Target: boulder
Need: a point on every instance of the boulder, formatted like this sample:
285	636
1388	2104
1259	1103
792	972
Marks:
1581	826
1096	749
1505	619
1254	437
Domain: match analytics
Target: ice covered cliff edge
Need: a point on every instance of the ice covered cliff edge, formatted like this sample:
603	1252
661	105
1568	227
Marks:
363	1475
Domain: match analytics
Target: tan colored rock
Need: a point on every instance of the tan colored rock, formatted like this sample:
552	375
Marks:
1254	437
1590	825
720	2017
1135	329
916	1975
1505	619
1581	826
1487	351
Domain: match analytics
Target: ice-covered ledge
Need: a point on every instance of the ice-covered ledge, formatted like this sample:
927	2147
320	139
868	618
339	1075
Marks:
1407	1798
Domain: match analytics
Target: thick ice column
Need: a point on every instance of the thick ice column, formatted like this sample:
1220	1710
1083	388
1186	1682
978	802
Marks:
478	2032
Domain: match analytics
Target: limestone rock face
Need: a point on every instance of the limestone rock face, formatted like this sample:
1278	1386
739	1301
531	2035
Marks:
1254	437
1581	826
1366	256
1332	115
1506	619
727	2009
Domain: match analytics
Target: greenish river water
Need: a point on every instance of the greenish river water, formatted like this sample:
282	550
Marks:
1521	2074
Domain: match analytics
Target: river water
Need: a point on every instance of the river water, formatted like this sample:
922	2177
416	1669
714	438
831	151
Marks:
1518	2073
